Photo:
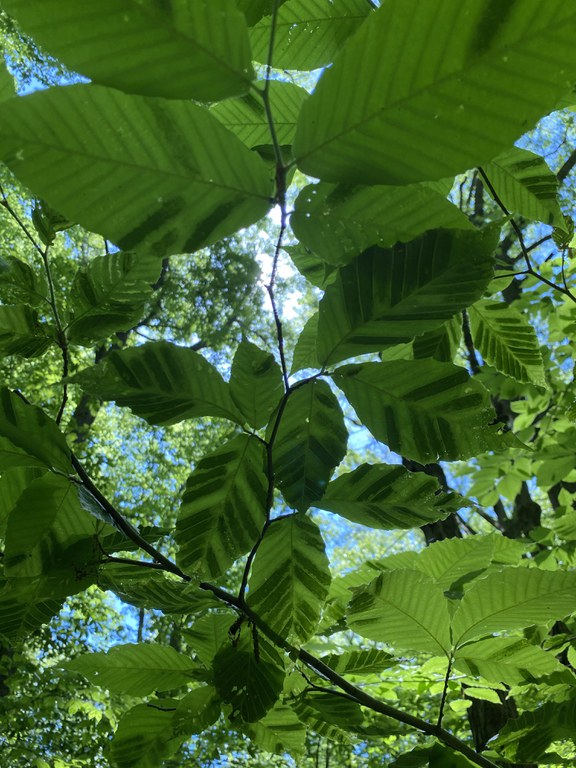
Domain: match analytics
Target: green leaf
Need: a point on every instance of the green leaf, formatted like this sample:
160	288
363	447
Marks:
144	737
12	484
422	409
526	738
370	662
162	383
20	283
28	437
135	669
208	634
386	297
428	109
146	173
404	609
310	442
49	533
279	731
310	266
109	294
223	507
7	87
512	599
256	383
22	333
250	684
331	708
337	222
388	497
290	577
437	756
314	720
155	591
526	186
196	711
453	562
440	344
24	606
183	50
305	353
247	119
507	341
309	33
509	660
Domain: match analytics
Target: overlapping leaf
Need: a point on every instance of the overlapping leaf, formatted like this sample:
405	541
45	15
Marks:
22	333
309	33
247	119
196	711
135	669
423	409
512	599
145	737
24	606
525	739
7	88
156	591
290	577
162	383
440	344
20	283
279	731
183	50
223	507
109	294
28	437
337	222
388	497
310	442
452	562
426	105
385	297
405	609
507	341
526	185
305	352
256	383
146	173
509	660
369	662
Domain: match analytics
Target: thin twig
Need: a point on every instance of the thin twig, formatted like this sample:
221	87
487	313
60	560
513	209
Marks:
469	343
6	204
444	692
529	268
62	340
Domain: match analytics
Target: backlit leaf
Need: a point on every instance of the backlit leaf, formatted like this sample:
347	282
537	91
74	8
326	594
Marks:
256	383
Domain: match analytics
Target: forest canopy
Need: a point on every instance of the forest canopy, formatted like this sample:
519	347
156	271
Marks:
287	407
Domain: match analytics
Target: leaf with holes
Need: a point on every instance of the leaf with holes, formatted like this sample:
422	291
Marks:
223	507
423	409
337	222
290	577
183	50
429	107
404	609
148	174
309	33
310	442
387	297
388	497
162	383
507	341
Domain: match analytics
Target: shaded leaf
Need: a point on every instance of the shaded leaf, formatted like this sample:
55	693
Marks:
437	756
410	116
310	442
109	294
196	711
156	591
388	497
7	87
223	507
185	50
279	731
144	736
208	634
512	599
440	344
290	577
452	562
370	662
162	383
256	383
24	606
20	283
422	409
526	185
305	352
22	333
337	222
526	738
145	173
309	33
310	266
246	117
507	341
404	609
386	297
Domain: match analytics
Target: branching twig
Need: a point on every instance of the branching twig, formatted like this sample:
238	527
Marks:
513	223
